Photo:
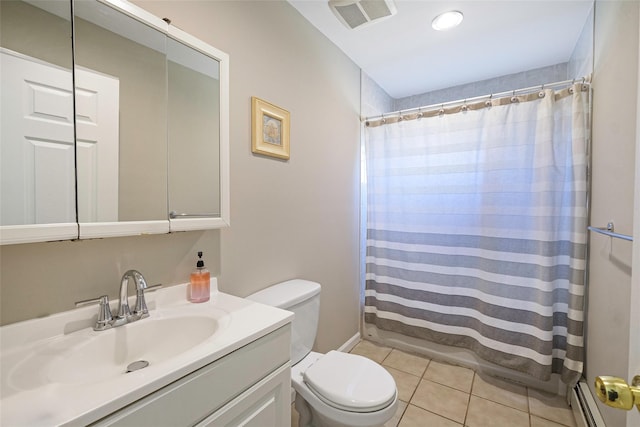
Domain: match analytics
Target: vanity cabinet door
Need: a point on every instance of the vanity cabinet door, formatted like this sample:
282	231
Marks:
266	404
214	387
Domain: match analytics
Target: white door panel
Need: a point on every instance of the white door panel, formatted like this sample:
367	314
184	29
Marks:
97	136
38	156
37	152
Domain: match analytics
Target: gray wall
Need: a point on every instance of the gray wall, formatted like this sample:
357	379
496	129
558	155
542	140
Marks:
535	77
45	37
615	117
375	100
296	218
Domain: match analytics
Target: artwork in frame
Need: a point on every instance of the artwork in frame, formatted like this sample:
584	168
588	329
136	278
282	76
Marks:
270	133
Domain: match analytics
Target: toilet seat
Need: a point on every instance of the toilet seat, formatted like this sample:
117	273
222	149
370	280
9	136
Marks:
350	382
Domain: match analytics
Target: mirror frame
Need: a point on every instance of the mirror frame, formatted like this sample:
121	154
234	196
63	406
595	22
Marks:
224	220
31	233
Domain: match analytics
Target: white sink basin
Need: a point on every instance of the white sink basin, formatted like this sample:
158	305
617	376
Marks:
58	371
88	356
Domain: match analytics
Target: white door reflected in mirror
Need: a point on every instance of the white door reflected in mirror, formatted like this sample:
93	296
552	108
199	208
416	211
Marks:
37	151
97	130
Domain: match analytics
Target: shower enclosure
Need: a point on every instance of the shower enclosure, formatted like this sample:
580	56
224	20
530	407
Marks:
477	227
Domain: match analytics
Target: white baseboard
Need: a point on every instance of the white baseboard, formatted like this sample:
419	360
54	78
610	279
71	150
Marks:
351	342
584	407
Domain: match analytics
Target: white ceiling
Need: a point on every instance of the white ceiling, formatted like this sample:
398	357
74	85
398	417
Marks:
405	56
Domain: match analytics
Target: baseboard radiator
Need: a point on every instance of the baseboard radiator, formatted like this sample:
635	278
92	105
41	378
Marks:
584	407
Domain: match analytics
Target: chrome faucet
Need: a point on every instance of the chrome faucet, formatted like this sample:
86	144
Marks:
123	315
124	312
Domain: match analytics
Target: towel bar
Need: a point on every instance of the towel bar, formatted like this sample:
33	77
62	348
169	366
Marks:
608	231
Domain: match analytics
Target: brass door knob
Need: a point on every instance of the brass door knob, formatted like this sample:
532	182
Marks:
615	392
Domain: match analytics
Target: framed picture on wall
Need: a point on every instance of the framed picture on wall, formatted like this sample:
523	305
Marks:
270	129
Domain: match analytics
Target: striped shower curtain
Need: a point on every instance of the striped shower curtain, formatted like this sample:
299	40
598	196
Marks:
476	229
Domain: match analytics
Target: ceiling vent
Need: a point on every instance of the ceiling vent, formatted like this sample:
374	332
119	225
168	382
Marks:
354	13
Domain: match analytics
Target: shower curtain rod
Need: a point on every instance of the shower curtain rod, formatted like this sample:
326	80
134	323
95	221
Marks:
584	80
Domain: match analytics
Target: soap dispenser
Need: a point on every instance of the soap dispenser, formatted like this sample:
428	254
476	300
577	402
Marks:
200	282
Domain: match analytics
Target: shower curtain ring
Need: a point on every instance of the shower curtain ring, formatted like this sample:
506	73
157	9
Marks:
488	103
514	98
400	118
441	111
419	113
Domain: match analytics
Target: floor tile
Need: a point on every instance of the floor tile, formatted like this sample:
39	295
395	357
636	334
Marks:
418	417
406	383
393	422
406	362
500	391
373	351
441	400
550	407
541	422
485	413
453	396
453	376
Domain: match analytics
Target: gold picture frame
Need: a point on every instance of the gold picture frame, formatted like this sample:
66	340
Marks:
270	132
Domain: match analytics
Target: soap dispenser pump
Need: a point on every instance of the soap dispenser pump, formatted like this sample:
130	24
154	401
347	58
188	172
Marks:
199	286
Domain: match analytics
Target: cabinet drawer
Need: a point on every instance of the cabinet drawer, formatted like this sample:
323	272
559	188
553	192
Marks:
266	404
193	397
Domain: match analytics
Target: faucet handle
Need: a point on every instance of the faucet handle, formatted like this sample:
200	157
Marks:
141	311
105	317
153	288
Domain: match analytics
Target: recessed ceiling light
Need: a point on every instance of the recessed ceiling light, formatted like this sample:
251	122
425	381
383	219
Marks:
447	20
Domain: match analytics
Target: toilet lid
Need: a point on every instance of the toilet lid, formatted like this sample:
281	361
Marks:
350	382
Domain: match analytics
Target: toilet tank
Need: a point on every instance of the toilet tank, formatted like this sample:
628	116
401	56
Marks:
302	297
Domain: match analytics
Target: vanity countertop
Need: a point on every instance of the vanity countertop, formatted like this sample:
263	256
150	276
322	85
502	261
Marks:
38	387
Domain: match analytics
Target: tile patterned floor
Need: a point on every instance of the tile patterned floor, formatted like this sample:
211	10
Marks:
464	398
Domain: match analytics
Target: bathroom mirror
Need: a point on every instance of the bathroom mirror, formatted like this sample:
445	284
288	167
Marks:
37	181
197	127
149	124
121	120
193	118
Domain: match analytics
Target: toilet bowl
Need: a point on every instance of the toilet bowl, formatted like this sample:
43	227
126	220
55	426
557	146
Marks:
334	389
343	390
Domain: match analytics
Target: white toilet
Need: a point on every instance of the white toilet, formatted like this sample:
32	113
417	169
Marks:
334	389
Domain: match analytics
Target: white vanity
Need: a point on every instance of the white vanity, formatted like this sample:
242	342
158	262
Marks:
225	362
